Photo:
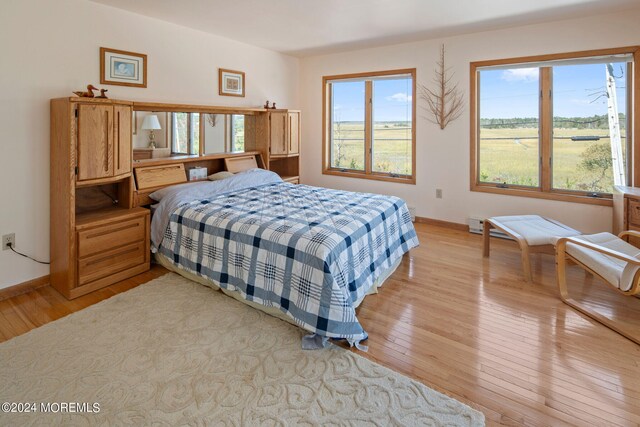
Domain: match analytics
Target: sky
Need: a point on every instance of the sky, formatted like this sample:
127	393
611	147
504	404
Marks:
503	94
391	100
576	91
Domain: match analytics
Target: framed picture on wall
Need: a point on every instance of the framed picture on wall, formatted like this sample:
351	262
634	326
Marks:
230	82
122	68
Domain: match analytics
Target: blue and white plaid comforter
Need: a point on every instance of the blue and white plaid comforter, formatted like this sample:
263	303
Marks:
310	252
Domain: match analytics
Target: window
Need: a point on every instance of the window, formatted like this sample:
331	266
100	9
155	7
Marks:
236	136
185	133
369	127
554	127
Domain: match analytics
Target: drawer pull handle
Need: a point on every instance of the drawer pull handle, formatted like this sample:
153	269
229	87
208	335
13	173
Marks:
99	260
112	230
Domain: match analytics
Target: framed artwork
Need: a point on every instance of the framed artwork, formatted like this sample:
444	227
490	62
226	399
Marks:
122	68
230	82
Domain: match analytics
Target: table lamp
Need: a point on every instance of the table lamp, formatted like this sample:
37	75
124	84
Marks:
151	123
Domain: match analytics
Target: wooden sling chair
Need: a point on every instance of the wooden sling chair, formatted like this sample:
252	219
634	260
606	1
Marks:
609	257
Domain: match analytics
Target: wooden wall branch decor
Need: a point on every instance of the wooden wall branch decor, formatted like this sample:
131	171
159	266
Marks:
446	102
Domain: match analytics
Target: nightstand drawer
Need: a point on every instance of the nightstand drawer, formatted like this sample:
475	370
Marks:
634	212
110	262
107	236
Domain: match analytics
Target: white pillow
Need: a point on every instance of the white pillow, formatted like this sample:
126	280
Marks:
219	176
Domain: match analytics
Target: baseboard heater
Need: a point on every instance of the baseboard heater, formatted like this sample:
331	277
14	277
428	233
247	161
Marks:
476	225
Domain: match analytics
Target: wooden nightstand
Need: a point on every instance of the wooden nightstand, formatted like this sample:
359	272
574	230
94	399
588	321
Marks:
626	211
112	245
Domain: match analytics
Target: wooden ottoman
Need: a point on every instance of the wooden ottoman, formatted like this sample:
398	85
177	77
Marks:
534	234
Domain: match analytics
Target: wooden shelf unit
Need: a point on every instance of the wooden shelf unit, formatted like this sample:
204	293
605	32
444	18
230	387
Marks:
286	167
284	131
99	234
97	238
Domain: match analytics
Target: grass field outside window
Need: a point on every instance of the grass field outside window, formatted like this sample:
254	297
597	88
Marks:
369	125
554	124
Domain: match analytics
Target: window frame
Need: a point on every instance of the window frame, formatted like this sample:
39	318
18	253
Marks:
191	129
231	143
545	190
368	173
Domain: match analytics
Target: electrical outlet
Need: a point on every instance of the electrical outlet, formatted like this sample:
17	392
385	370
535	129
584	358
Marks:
8	239
438	193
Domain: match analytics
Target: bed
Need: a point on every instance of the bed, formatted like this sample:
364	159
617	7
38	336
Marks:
310	254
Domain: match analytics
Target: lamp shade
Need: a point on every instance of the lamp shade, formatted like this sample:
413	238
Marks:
151	122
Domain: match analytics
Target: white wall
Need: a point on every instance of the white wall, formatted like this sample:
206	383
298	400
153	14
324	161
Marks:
215	137
443	155
50	48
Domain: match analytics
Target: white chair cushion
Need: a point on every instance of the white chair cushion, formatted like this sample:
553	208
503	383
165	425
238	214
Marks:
535	229
615	271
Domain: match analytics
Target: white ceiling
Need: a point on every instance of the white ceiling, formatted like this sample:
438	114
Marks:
308	27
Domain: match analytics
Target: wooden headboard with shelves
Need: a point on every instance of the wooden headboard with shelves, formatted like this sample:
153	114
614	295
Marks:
152	175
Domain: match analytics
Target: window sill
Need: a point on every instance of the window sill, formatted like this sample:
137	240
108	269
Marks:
537	194
373	176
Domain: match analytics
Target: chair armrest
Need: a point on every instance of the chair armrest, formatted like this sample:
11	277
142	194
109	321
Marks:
631	233
597	248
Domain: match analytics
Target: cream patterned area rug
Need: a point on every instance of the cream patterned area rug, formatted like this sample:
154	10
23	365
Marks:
172	352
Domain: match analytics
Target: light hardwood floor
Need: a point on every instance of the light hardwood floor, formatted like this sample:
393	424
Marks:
471	328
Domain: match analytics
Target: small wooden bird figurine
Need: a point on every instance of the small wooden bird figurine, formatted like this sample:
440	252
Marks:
102	93
88	93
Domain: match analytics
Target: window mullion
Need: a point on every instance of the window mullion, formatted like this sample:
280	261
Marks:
201	133
189	134
328	126
633	100
546	128
368	125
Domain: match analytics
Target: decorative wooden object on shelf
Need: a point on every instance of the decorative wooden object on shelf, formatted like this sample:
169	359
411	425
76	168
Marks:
88	94
626	211
103	94
267	107
97	238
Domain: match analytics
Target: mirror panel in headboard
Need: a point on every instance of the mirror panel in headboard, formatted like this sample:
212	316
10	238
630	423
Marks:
195	130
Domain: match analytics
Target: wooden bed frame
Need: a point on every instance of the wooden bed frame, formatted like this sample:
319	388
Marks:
152	175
